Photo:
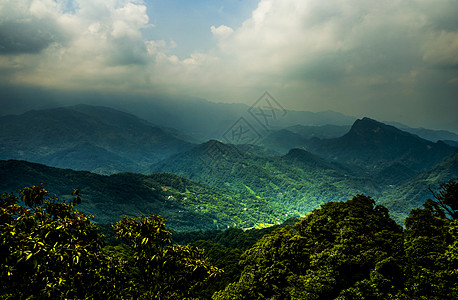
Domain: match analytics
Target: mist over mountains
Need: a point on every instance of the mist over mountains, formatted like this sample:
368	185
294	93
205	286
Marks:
200	119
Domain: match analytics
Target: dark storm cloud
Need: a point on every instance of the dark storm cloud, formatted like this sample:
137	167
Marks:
28	37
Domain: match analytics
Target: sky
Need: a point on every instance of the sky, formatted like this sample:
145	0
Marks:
393	60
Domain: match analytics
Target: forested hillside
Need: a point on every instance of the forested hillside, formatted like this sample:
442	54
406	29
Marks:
186	205
299	181
413	192
343	250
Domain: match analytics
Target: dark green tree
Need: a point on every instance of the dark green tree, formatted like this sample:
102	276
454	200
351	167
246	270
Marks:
162	270
447	197
349	249
50	250
431	246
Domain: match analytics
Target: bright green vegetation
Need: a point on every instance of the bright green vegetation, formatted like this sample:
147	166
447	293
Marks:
353	250
242	186
300	181
232	188
295	183
185	204
342	250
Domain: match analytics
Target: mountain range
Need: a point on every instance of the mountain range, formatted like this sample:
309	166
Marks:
199	119
96	139
291	171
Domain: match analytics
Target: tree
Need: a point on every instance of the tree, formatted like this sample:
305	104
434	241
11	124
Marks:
349	249
161	270
50	250
431	246
447	197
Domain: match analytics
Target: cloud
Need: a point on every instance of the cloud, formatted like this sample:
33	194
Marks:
330	41
285	34
30	37
442	50
222	31
355	56
350	55
128	20
28	27
88	45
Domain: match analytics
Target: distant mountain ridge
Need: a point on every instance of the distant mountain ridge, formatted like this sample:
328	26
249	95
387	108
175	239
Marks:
321	132
83	137
375	145
428	134
195	117
107	141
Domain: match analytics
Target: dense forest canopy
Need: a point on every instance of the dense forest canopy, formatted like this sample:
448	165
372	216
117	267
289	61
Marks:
342	250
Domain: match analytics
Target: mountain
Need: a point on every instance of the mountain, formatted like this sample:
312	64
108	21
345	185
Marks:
205	120
375	146
185	204
199	119
298	181
84	137
306	160
298	136
283	140
86	156
428	134
257	150
451	143
321	132
413	193
321	118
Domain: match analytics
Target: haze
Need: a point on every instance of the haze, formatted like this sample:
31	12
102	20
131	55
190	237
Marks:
388	60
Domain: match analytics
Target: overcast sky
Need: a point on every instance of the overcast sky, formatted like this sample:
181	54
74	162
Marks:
387	59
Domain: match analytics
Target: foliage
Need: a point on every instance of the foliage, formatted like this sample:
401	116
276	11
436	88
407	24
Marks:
447	197
224	258
185	204
49	250
292	184
342	249
400	199
162	271
432	246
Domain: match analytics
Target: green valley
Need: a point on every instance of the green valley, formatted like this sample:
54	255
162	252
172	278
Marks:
185	204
